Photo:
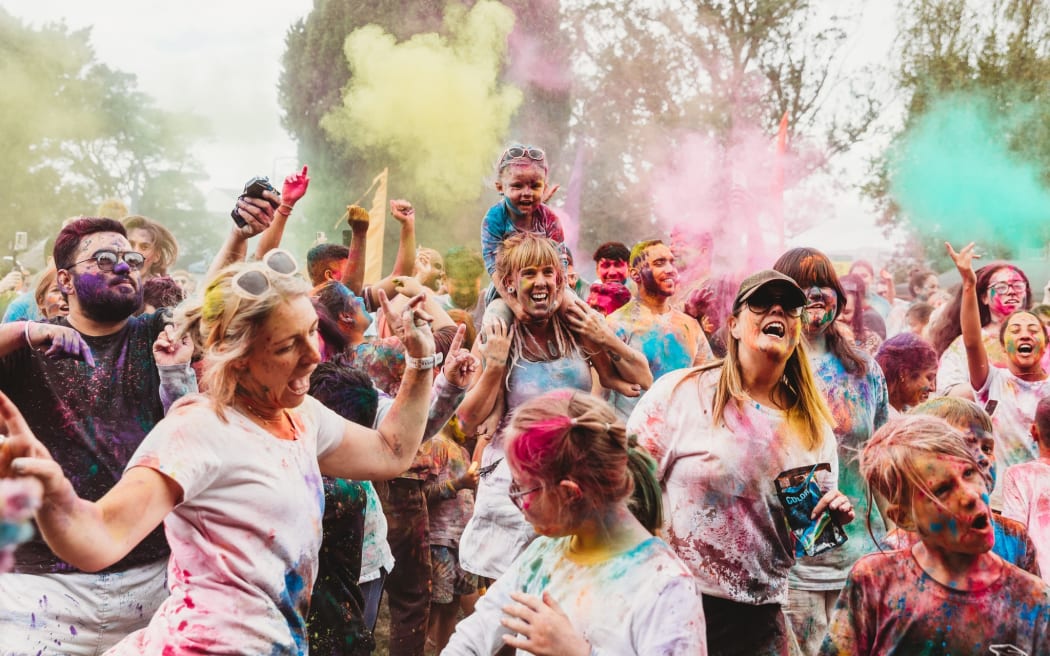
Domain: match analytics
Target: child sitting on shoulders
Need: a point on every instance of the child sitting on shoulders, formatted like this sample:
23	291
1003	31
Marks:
521	180
947	594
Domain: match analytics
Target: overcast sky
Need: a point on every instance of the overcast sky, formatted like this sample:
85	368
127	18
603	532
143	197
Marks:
221	59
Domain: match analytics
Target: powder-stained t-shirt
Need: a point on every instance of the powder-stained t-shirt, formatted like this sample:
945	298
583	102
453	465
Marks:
642	602
859	405
722	514
245	537
1012	419
91	419
669	341
891	606
1026	498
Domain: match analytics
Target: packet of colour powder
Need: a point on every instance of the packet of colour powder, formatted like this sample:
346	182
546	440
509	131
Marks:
799	493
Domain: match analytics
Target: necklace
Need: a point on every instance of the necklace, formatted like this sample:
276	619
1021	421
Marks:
279	421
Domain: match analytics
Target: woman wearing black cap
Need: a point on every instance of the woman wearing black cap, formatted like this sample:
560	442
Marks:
746	458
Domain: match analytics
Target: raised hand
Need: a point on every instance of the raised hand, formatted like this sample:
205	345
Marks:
58	342
412	326
698	304
402	210
495	343
542	626
459	365
294	187
256	212
964	260
168	350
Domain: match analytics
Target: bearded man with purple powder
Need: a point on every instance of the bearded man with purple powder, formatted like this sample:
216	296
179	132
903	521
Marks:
91	386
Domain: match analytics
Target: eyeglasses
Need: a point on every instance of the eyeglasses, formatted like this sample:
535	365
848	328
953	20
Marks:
105	260
254	282
763	304
517	495
514	152
1018	287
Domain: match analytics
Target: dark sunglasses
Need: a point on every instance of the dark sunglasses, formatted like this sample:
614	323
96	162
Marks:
255	282
106	260
761	304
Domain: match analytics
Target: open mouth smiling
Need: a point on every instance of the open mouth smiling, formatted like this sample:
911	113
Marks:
774	329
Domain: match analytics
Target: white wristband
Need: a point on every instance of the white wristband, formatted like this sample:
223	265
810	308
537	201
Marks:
427	362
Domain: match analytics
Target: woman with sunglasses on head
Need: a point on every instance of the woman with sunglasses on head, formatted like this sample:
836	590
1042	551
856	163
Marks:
746	458
1016	388
235	474
596	581
854	389
542	348
1002	289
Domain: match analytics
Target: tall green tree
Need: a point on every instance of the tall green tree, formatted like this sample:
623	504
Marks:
316	72
78	132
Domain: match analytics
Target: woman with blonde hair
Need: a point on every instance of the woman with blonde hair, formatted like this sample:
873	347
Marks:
747	461
544	347
597	580
235	474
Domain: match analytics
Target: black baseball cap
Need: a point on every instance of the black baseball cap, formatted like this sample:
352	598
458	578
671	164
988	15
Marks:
769	278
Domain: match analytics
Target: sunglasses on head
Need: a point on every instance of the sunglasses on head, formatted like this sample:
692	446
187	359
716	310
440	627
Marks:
105	260
255	282
515	152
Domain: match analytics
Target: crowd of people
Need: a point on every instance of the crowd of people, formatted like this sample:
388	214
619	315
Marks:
797	461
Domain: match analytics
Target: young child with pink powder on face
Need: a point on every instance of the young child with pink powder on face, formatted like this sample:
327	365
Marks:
522	185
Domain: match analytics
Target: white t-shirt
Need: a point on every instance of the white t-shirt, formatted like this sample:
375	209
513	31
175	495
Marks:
1012	419
643	602
244	540
1026	498
722	512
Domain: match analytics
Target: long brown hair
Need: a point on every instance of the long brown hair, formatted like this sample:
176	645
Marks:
812	268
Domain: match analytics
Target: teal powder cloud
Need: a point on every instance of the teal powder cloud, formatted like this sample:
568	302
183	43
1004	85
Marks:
954	176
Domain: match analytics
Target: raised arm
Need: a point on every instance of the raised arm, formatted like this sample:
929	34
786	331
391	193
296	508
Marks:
404	214
292	191
970	316
89	535
383	453
353	275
